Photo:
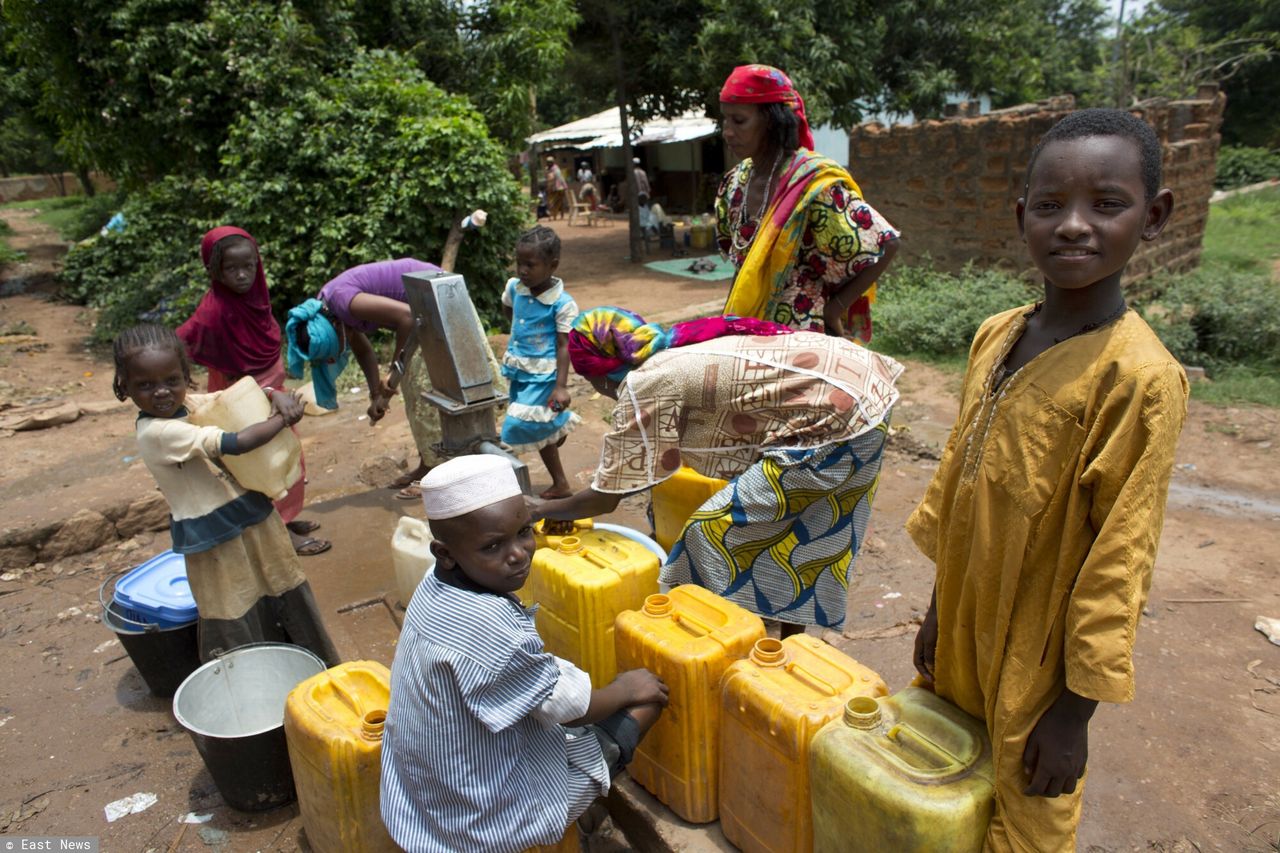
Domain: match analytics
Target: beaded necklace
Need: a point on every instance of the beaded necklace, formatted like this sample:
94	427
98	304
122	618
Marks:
1001	371
740	246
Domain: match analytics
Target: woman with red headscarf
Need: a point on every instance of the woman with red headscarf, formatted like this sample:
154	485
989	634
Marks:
807	247
233	334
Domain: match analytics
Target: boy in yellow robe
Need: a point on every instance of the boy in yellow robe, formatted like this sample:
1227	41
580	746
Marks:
1045	512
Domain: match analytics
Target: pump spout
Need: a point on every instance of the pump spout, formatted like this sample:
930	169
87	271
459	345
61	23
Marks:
522	470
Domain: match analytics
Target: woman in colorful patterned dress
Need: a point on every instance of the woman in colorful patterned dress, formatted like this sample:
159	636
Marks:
807	247
795	421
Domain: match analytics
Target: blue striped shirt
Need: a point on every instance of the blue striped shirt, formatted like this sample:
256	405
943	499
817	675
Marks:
467	763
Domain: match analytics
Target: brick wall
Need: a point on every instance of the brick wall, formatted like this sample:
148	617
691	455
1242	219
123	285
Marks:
28	187
951	185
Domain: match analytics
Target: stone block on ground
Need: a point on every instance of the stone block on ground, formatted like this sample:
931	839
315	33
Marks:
652	827
382	470
16	556
84	531
149	512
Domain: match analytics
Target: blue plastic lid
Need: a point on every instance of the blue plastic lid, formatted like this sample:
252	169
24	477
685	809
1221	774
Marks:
158	591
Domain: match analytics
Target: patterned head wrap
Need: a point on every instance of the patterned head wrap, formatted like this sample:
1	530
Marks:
609	341
327	356
764	84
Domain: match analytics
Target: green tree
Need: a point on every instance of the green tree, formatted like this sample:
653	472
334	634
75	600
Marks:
495	52
372	162
847	57
144	88
1176	45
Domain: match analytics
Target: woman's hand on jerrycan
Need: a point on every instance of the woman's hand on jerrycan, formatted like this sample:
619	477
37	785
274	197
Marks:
287	404
927	641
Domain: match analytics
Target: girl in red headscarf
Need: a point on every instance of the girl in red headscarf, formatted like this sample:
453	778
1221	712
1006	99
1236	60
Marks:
233	334
807	247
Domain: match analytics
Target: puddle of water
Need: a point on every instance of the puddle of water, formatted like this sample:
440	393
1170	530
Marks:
1221	502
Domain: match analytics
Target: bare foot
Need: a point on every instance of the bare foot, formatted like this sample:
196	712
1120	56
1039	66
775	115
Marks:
556	492
408	479
303	526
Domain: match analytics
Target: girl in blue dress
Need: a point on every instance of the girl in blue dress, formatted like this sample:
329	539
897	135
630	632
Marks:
541	314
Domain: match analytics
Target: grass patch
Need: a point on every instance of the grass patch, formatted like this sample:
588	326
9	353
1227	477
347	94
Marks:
1238	384
951	364
923	313
7	253
74	217
1243	233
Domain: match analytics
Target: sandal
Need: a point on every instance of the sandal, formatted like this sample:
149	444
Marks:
303	526
312	547
411	492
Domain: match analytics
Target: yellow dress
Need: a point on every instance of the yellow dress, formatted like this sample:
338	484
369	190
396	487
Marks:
1043	520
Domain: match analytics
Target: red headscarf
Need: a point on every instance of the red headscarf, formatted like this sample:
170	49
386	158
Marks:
232	333
764	84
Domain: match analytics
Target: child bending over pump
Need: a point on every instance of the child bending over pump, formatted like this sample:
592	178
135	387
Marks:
491	743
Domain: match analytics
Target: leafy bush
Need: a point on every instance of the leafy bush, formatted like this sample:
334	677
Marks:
76	217
922	310
373	163
87	218
1217	318
1239	166
152	268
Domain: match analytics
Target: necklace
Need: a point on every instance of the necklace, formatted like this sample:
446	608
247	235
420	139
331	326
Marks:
740	245
1087	327
1001	371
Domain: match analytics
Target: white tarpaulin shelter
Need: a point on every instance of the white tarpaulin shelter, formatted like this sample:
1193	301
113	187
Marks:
604	130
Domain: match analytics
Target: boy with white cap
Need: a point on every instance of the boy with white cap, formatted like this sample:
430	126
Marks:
491	743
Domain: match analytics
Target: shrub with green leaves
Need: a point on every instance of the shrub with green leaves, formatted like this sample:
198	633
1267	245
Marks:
152	268
924	311
1217	318
372	163
1239	166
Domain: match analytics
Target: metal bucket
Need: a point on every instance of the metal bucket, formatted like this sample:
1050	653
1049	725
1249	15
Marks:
233	707
163	656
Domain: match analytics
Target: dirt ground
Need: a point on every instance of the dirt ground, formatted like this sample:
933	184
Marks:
1192	764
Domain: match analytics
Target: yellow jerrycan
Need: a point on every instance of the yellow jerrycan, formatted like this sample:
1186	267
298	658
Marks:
333	724
275	466
773	703
678	497
910	772
580	586
548	532
688	638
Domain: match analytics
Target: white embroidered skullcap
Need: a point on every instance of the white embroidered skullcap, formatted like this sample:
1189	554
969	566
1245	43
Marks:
467	483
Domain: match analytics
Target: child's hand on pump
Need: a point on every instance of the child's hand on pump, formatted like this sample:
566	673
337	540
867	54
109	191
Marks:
380	401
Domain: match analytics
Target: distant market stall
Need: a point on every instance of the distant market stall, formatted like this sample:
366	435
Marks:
683	156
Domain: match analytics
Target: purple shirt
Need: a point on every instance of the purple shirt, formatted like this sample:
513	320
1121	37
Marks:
381	278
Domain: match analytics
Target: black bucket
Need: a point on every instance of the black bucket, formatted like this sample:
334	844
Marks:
233	707
163	655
